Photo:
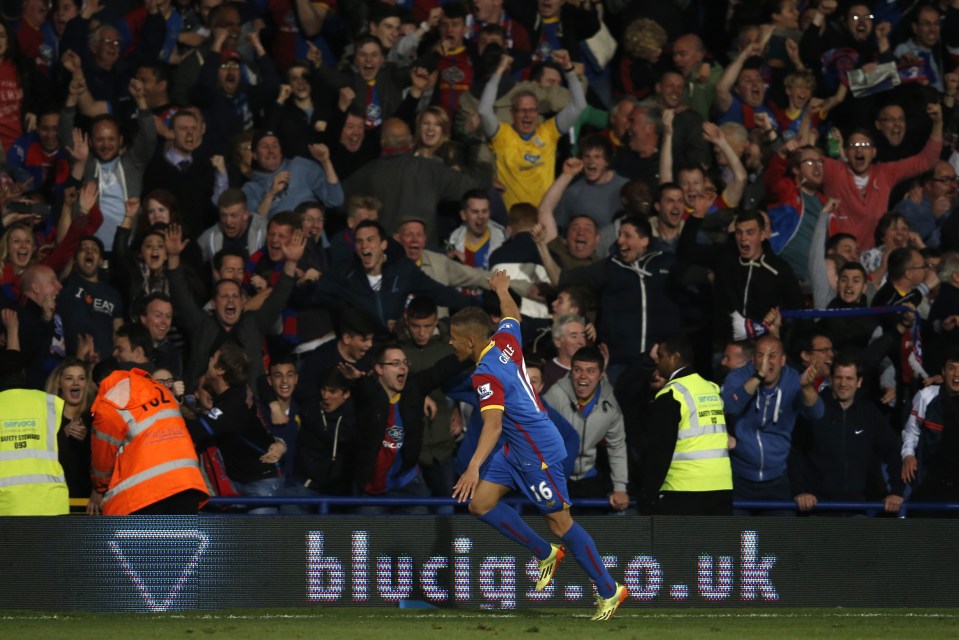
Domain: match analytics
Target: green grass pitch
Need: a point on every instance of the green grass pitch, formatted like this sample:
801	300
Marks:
553	624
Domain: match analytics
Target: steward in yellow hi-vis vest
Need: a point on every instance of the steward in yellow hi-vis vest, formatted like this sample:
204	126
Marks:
686	468
31	478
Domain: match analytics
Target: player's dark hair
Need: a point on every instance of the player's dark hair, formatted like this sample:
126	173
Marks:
589	354
473	319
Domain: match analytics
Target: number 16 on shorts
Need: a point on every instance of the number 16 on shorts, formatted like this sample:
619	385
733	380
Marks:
542	493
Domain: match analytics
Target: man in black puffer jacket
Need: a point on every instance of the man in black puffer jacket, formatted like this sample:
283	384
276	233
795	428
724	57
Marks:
637	298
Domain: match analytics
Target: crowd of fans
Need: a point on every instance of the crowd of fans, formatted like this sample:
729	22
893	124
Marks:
272	207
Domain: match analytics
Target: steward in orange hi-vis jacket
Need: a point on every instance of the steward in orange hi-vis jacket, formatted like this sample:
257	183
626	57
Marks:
142	452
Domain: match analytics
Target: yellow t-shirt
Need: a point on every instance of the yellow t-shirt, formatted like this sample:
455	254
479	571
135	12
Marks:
526	167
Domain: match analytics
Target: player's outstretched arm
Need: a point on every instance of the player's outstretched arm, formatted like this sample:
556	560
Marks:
492	428
499	284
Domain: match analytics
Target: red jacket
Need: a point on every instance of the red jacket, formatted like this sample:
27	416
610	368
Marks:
859	213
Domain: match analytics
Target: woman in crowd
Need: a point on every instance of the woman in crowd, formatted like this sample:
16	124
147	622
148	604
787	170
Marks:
71	381
160	207
433	138
18	250
892	232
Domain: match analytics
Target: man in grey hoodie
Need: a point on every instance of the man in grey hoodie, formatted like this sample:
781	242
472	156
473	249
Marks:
588	404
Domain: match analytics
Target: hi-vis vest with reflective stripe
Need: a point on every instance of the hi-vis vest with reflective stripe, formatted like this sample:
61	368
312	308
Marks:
31	478
142	451
701	458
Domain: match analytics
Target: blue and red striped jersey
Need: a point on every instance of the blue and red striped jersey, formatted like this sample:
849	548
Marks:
501	382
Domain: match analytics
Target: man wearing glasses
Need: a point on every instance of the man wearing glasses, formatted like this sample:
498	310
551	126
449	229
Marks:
863	186
938	201
893	143
390	406
794	187
924	44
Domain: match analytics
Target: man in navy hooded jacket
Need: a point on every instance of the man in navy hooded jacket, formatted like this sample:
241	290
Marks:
762	401
379	282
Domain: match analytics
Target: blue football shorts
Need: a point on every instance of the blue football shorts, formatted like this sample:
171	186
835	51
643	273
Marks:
546	488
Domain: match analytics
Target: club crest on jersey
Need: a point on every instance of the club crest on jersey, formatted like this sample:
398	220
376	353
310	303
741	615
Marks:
506	354
532	158
485	391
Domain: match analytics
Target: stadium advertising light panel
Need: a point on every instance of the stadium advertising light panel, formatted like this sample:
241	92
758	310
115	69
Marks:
161	564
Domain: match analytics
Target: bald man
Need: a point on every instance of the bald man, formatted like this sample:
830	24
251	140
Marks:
762	401
700	77
41	330
411	186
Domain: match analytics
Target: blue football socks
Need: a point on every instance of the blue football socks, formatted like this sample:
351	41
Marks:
584	550
504	519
